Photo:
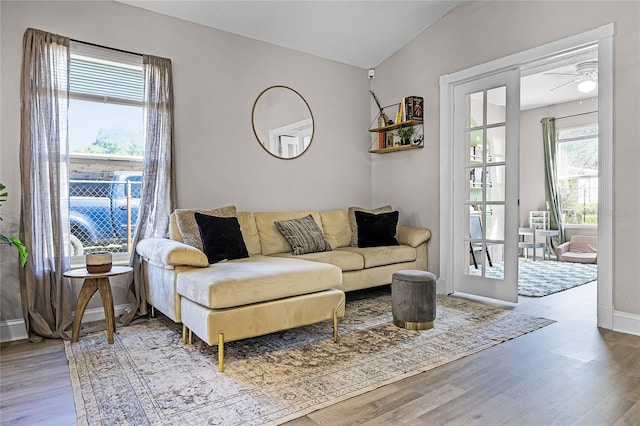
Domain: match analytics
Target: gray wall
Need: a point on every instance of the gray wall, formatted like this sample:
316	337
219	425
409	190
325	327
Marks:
477	32
217	77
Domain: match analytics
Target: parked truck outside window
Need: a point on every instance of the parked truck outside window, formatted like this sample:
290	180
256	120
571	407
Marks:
103	214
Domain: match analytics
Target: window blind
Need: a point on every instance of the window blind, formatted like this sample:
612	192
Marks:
105	75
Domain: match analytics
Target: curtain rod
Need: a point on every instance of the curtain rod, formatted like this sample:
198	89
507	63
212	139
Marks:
577	115
106	47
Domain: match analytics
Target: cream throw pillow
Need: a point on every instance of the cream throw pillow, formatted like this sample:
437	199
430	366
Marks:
188	227
354	225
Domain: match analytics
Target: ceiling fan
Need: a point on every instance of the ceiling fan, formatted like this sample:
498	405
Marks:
586	76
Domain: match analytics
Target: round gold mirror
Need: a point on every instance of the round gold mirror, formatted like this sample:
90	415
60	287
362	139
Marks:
282	122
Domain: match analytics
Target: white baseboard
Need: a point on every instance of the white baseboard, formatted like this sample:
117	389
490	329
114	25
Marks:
626	323
15	330
623	322
12	330
605	317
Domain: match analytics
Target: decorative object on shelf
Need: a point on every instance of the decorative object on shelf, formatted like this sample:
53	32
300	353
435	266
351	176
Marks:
99	263
412	108
405	134
390	140
382	114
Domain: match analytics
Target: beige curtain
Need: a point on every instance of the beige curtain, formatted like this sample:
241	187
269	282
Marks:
44	159
158	198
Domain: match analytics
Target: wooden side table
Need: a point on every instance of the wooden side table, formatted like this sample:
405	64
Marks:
93	283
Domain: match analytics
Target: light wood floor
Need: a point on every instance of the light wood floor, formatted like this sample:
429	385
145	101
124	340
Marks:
569	373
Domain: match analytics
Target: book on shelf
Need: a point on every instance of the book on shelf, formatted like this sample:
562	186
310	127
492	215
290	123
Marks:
413	108
381	140
389	140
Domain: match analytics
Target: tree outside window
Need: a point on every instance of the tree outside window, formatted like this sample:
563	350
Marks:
578	174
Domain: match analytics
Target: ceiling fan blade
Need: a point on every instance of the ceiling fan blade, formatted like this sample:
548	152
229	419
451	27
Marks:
562	85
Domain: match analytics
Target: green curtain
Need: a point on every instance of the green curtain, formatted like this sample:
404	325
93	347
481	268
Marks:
552	194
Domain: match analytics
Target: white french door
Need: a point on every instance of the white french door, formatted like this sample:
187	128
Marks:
485	186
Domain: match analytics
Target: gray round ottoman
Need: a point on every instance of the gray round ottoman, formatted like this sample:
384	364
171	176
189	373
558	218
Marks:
413	295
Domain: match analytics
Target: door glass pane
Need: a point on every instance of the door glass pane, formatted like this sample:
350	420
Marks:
475	143
496	144
495	222
475	245
475	179
494	182
496	103
475	111
494	261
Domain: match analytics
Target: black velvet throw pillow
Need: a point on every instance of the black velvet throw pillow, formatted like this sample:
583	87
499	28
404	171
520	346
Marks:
221	237
376	230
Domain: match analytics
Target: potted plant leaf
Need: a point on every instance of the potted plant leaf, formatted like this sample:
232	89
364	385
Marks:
12	241
405	134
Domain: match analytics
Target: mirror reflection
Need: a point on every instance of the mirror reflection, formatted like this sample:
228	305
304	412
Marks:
282	122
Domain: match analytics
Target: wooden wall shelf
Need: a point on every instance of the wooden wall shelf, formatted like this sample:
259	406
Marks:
395	148
396	126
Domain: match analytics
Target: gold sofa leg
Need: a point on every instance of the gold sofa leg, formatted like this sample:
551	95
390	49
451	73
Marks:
153	312
221	352
184	334
335	326
190	337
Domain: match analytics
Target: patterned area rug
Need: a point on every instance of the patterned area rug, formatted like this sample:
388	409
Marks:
544	277
148	377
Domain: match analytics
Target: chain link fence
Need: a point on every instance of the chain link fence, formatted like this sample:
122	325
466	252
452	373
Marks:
103	214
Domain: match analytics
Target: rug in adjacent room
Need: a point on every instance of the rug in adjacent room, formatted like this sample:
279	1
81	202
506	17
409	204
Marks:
148	377
545	277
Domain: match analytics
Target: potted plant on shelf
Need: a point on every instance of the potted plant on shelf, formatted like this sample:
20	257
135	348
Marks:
405	134
12	241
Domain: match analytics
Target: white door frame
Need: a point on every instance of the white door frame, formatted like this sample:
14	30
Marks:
603	36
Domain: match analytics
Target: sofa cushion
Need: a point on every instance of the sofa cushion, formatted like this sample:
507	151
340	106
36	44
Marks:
303	234
249	232
376	230
335	224
347	261
255	279
187	227
584	243
271	240
578	257
165	253
354	225
221	237
380	256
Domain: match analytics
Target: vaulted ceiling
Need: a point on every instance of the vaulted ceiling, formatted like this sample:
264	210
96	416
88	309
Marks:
359	33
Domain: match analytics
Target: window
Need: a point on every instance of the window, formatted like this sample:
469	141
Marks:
577	156
106	146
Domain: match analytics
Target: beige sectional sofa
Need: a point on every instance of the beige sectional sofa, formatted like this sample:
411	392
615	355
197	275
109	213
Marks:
272	289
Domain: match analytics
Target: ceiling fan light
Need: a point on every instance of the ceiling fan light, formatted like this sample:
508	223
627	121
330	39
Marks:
587	86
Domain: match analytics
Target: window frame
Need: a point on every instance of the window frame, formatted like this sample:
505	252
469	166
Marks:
585	137
99	55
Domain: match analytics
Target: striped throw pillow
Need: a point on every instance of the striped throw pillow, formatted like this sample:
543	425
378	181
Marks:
303	235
